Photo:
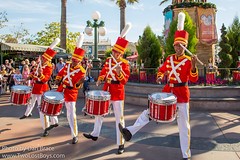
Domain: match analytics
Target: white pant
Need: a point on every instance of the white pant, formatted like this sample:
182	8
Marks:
118	108
44	118
183	126
72	118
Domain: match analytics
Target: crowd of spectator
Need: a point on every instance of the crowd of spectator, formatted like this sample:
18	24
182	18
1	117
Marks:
12	74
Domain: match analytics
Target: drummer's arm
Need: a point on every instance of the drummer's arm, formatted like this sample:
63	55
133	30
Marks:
44	77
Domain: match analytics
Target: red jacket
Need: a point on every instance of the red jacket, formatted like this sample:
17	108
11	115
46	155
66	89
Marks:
70	92
40	84
183	72
117	91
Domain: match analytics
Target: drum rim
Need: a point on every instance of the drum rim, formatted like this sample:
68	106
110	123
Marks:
102	98
164	102
53	101
15	89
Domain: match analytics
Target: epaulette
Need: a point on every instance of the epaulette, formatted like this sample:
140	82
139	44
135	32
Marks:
82	69
188	57
124	61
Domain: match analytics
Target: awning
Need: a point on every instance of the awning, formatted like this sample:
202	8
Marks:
133	57
27	47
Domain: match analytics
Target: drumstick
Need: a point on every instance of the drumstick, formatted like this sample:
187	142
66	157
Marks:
191	53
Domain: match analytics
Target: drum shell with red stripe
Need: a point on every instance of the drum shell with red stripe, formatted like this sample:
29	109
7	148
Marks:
97	102
52	103
162	107
20	94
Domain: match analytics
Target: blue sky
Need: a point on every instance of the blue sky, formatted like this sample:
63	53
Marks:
34	14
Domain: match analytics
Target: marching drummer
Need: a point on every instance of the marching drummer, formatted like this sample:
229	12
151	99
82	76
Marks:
181	69
70	80
115	73
40	78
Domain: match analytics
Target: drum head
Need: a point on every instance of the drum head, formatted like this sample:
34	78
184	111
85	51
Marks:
98	95
53	97
21	89
162	98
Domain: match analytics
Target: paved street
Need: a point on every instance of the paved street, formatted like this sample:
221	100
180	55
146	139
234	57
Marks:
214	136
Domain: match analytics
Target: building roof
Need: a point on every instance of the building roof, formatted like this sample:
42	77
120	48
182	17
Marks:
26	47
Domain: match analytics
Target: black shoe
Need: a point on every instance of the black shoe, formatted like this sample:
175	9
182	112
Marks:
46	133
23	117
89	136
74	140
186	159
127	135
51	127
120	149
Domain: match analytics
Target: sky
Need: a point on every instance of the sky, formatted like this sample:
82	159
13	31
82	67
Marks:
34	14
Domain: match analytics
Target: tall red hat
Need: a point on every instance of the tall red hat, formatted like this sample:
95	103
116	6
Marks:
49	54
120	46
78	53
181	37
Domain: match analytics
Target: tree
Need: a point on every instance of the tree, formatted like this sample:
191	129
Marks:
233	34
63	43
50	33
3	19
190	27
149	49
122	4
18	35
226	58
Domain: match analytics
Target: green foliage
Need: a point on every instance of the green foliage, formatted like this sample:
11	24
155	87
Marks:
188	5
224	54
109	52
233	34
50	33
190	27
149	49
3	19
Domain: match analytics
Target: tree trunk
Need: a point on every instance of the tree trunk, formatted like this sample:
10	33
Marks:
122	15
63	24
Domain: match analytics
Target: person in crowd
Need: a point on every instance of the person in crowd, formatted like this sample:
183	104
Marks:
25	75
17	77
115	74
59	65
181	69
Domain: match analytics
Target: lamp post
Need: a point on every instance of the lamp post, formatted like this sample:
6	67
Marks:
99	29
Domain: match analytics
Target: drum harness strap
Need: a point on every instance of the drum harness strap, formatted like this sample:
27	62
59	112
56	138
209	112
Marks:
111	69
173	71
68	76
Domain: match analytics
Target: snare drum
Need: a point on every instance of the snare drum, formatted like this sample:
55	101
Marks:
20	94
162	107
97	102
52	103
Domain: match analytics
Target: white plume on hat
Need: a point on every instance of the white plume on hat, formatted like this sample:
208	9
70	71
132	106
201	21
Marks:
80	40
57	40
125	30
181	19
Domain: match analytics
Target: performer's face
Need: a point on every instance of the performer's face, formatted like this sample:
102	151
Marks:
75	62
178	49
117	55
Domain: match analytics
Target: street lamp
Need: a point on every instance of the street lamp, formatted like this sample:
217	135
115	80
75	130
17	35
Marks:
99	29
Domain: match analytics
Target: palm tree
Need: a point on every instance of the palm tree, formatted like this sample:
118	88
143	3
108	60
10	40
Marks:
163	1
122	5
63	35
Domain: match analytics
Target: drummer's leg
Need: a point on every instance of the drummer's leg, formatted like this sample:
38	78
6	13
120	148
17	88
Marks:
54	120
44	118
71	116
97	126
142	120
184	128
31	104
118	107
